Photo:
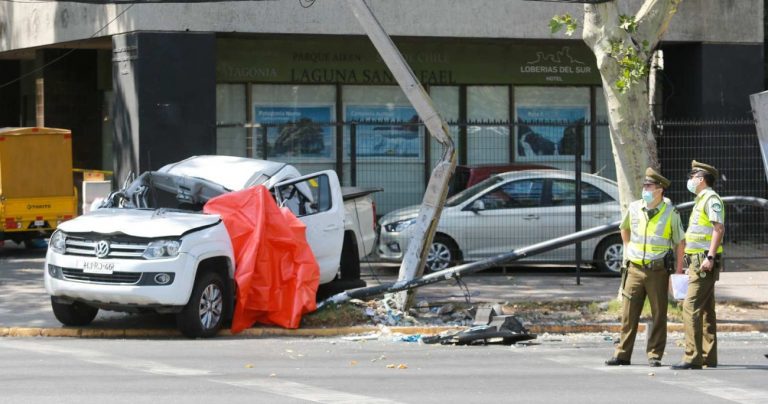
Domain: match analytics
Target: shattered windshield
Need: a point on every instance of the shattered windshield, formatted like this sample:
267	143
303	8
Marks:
155	190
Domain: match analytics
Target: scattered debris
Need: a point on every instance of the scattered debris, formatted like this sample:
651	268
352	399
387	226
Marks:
384	312
399	366
249	366
363	337
525	343
409	338
497	329
651	374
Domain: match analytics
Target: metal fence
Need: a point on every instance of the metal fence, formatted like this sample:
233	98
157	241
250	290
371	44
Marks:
733	148
399	156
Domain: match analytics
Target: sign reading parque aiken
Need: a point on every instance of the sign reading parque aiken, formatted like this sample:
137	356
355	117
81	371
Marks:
435	62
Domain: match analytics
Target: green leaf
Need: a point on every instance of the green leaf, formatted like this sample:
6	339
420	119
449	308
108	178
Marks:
570	28
628	23
555	25
566	20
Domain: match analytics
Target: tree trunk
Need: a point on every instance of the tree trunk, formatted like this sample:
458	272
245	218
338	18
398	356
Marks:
632	141
629	114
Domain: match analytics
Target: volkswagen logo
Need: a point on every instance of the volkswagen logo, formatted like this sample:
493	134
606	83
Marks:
102	249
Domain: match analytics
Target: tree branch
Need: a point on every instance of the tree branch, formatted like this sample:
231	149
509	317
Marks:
598	19
653	20
600	28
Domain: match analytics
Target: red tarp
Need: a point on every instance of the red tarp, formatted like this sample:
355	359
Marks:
276	273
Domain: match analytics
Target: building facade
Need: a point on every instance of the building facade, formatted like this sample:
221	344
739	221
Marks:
146	84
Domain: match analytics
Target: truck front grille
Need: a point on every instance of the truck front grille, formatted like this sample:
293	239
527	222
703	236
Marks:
115	277
117	248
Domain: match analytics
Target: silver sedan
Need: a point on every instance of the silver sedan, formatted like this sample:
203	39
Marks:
513	210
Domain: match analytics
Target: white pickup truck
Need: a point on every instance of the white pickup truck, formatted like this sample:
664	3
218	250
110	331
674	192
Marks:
151	248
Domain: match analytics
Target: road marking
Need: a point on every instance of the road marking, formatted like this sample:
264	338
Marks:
101	358
689	379
304	392
719	388
273	386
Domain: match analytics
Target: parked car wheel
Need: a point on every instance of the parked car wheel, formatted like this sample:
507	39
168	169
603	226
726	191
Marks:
203	315
75	314
609	253
442	254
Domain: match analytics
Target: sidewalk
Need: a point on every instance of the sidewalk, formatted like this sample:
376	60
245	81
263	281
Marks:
25	306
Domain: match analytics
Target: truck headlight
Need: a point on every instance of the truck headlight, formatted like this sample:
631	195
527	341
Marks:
162	249
58	242
400	225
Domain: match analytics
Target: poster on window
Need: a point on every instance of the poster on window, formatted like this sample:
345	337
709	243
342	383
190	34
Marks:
297	131
550	132
393	131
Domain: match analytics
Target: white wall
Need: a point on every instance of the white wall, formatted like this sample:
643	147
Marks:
25	25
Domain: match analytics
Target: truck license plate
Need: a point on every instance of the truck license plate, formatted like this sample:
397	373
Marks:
96	267
39	223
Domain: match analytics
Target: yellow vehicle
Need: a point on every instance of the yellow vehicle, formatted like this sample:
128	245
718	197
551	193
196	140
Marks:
36	187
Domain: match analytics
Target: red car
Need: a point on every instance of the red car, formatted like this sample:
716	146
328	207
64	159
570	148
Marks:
466	176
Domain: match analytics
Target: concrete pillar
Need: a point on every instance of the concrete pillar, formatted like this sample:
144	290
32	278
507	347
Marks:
165	99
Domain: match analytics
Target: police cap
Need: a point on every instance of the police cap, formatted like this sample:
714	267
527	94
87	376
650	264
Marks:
653	177
699	167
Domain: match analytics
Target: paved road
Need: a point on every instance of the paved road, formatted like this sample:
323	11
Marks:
24	302
558	369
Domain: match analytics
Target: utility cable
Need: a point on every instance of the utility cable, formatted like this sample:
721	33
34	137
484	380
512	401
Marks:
464	288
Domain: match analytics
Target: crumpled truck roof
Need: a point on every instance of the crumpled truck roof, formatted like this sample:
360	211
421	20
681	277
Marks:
233	173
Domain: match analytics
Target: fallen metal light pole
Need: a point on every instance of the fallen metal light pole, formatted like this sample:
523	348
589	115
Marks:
450	273
535	249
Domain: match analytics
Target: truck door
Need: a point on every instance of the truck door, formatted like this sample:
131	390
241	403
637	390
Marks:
316	200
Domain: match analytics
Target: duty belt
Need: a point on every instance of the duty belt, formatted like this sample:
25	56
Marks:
656	264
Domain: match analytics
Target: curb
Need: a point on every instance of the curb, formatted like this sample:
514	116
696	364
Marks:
261	332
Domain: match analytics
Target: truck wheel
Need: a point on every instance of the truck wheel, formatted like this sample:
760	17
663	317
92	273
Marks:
350	259
74	314
203	315
608	255
442	254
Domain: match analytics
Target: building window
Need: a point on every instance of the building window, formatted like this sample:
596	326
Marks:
389	144
487	142
549	121
299	124
231	137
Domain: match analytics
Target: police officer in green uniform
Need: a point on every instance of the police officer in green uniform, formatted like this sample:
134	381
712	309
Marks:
650	229
703	258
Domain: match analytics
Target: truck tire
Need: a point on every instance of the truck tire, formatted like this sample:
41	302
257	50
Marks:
203	315
608	255
74	314
350	259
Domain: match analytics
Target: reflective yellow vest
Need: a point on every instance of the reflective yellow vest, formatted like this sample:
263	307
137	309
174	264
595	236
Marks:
699	234
650	239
